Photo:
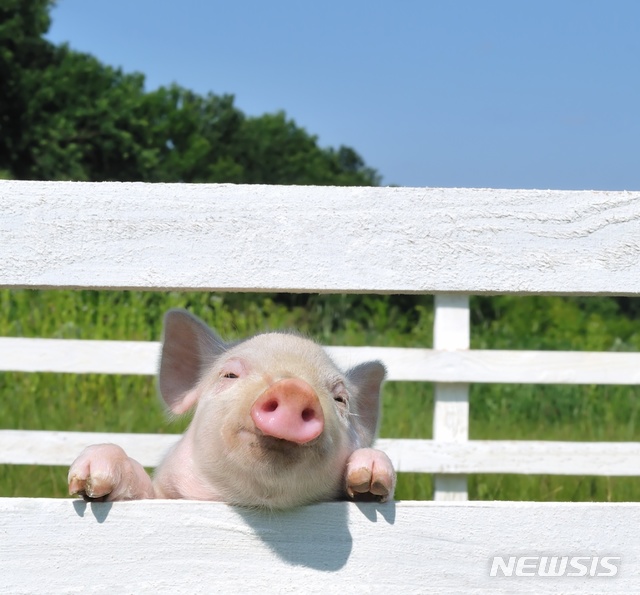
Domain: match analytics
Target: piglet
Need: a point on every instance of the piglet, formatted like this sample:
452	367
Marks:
276	425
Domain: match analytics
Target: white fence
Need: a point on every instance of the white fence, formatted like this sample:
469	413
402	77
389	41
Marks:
449	242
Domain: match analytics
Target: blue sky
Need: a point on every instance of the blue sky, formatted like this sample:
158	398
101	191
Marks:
466	93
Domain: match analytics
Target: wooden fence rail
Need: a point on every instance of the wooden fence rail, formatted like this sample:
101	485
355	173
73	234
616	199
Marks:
449	242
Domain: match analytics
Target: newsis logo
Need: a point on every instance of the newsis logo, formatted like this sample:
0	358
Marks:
555	566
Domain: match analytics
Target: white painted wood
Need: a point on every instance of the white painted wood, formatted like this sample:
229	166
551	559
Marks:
42	447
33	447
78	356
514	456
452	323
302	238
451	331
69	546
403	364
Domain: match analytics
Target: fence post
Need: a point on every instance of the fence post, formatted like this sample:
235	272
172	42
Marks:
451	400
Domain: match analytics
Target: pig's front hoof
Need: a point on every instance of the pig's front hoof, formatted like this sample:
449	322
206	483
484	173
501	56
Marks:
100	473
370	475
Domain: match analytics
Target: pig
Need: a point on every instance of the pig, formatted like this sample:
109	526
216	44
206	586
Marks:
275	425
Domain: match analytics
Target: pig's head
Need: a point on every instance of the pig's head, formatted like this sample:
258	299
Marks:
275	420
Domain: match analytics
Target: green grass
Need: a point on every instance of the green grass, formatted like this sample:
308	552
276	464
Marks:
129	403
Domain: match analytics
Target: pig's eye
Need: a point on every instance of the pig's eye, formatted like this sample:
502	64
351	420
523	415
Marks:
340	395
232	369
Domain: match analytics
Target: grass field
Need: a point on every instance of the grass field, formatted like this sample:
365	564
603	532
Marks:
129	403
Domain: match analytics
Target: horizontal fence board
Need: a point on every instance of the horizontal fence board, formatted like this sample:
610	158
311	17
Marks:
27	447
515	456
326	239
41	447
69	546
403	364
79	356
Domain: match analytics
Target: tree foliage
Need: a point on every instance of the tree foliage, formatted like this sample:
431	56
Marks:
66	116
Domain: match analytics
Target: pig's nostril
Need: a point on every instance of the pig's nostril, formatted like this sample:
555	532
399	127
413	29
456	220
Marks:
270	406
308	414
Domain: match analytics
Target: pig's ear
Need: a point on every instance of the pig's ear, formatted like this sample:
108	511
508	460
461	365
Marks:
189	346
367	379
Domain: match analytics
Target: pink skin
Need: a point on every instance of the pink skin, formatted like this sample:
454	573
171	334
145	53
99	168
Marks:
276	425
370	471
105	472
290	410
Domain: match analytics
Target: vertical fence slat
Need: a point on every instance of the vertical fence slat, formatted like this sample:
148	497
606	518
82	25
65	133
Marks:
451	400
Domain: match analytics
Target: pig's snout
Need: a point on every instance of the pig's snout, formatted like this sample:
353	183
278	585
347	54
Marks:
289	409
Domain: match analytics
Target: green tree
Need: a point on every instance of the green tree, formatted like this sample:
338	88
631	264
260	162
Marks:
274	150
88	122
23	52
65	115
193	135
